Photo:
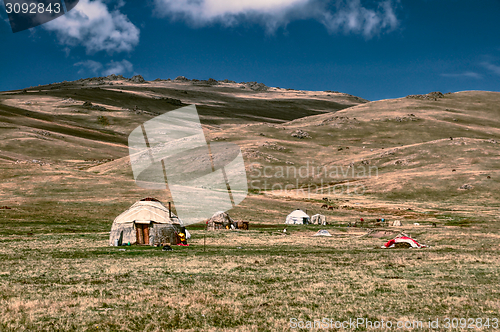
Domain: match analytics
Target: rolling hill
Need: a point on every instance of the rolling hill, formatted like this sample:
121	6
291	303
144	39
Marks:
65	144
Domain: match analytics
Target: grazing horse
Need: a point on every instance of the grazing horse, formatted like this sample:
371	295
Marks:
324	206
330	208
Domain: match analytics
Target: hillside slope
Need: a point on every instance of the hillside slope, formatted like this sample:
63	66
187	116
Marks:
91	118
433	153
428	158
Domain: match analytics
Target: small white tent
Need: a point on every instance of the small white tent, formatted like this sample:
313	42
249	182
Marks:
297	217
323	232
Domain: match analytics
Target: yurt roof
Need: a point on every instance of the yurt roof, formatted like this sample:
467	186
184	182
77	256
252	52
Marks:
147	211
221	215
298	214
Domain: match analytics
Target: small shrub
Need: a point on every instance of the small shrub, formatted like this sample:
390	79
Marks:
103	120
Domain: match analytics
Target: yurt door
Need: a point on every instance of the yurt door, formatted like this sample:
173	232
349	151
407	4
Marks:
142	233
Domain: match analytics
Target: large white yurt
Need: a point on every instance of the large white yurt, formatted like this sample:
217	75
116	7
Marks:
297	217
148	222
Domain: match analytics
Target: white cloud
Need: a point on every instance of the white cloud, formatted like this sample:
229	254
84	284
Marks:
92	25
88	65
97	68
349	16
355	18
118	68
467	74
491	67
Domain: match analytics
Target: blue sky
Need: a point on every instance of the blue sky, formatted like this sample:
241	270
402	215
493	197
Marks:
372	49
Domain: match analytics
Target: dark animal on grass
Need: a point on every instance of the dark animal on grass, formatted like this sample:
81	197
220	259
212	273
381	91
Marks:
325	199
330	208
324	206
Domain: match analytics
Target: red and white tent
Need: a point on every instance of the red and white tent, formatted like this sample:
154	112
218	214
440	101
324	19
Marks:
403	239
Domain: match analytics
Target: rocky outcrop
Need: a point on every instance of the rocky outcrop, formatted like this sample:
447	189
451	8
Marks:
137	79
257	86
181	79
300	134
430	96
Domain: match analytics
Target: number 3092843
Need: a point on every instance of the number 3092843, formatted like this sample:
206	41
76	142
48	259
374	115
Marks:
32	8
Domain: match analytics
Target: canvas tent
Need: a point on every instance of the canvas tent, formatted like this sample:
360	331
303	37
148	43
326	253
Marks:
323	232
396	223
297	217
403	241
220	220
318	219
148	221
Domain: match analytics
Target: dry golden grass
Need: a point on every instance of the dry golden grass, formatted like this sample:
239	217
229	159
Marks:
244	281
